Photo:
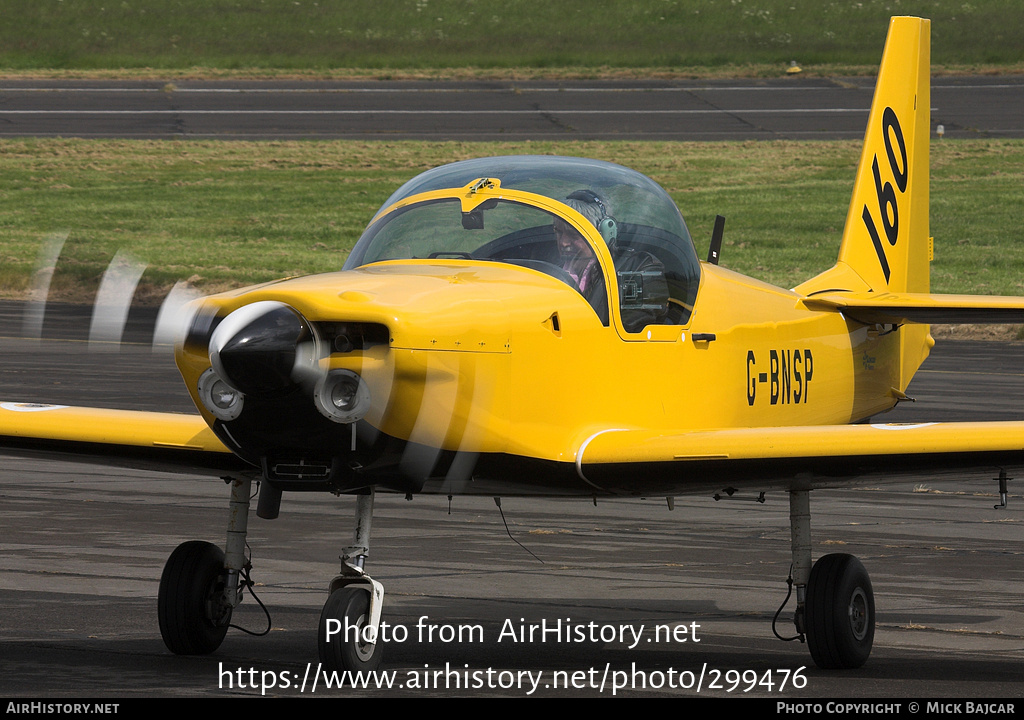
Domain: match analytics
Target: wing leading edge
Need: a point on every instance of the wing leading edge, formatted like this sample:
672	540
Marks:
169	441
815	456
802	457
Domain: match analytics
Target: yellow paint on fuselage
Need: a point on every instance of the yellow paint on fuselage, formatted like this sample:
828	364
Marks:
590	379
490	357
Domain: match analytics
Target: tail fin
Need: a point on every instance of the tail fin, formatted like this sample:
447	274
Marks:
886	245
886	236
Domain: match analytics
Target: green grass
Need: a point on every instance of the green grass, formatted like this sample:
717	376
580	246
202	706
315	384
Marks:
398	35
236	213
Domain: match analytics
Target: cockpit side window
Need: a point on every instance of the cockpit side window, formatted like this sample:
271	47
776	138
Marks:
657	278
667	287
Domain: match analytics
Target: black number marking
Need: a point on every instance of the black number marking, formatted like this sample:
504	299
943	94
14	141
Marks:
888	205
886	200
891	122
877	242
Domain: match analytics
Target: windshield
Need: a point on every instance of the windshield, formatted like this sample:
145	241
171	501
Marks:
439	229
501	230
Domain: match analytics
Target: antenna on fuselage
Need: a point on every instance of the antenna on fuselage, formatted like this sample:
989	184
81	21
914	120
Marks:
716	240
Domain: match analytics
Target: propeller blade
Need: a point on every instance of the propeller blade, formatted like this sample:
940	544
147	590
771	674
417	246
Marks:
174	317
46	264
460	474
448	377
113	300
424	447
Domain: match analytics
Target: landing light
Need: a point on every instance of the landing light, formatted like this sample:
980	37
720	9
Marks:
218	397
342	396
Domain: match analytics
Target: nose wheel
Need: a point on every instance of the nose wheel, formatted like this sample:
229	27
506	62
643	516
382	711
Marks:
347	639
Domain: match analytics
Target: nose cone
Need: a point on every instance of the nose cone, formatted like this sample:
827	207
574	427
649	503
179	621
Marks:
255	349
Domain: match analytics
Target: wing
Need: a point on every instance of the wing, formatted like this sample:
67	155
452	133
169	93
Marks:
167	441
797	457
899	308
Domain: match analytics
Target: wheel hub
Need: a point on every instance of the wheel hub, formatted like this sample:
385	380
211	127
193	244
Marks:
363	648
858	613
218	611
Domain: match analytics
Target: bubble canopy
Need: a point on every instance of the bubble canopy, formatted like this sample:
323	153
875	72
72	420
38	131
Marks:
421	221
632	197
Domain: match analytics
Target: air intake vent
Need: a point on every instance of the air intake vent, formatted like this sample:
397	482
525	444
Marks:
298	469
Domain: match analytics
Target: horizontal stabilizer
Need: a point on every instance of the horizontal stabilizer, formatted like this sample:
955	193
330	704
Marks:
900	308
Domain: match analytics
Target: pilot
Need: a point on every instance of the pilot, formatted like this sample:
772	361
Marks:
643	290
578	258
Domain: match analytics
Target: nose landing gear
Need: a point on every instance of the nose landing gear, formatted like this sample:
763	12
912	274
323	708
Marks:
348	637
199	589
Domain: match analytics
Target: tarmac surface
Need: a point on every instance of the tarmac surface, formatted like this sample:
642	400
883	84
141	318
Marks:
791	107
82	547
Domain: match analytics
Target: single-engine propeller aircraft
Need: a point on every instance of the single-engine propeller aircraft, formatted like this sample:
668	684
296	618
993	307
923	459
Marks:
469	343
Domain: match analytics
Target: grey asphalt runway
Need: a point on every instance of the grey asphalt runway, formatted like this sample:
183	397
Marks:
779	108
82	547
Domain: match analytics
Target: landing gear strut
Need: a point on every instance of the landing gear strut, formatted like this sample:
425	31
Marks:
349	624
835	602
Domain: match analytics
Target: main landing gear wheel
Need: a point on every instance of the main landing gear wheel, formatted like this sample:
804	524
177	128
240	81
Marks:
840	612
193	612
349	606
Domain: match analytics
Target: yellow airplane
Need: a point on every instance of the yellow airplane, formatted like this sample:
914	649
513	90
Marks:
483	337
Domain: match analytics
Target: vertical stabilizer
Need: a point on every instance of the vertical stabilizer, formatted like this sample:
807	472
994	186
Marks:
886	241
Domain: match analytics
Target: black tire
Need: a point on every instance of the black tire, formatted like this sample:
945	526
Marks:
840	613
190	603
351	652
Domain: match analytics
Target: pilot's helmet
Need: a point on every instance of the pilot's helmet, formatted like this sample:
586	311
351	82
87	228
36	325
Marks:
594	208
